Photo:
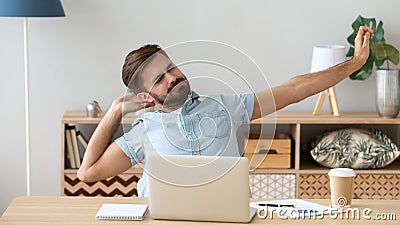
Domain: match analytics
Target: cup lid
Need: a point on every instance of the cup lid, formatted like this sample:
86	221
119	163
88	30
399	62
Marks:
342	172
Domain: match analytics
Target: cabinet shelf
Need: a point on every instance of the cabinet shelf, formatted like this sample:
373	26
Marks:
273	171
79	117
311	167
136	169
326	118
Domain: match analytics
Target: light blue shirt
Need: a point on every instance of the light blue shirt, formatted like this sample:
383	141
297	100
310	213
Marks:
203	126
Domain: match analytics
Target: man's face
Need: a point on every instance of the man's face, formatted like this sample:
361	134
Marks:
166	84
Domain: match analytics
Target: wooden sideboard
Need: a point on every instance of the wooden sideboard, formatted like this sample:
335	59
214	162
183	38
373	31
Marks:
304	179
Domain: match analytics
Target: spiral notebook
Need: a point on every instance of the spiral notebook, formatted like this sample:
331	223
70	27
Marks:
122	212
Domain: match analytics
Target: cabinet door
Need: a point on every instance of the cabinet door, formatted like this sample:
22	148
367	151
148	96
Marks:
366	186
121	185
280	186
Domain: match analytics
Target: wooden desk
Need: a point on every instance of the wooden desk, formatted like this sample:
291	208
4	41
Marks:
82	210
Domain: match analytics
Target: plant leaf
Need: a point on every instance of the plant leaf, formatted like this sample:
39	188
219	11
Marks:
357	23
371	22
378	63
363	21
378	34
351	38
385	52
350	52
392	54
379	51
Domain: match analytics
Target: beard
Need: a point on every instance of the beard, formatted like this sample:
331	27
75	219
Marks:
177	94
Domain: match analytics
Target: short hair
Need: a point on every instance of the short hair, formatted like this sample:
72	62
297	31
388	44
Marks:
134	63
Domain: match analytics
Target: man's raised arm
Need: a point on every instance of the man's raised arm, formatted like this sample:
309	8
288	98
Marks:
301	87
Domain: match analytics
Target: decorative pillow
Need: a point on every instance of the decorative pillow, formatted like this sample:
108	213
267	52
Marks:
354	148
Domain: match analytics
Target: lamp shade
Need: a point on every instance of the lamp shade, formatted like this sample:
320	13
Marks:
31	8
325	56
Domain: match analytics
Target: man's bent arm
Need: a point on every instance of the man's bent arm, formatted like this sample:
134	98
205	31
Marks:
102	159
301	87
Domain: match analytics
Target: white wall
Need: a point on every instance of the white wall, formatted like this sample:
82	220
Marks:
78	58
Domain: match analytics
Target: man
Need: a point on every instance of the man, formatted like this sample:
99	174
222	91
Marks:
184	123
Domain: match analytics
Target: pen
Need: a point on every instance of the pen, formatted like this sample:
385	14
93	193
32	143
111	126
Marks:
276	205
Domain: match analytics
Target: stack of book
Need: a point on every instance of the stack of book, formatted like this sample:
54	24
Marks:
76	145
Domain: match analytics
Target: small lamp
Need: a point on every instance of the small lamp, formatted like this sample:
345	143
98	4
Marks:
326	56
25	9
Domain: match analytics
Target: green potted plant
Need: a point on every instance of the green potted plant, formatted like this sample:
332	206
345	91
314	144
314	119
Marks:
388	93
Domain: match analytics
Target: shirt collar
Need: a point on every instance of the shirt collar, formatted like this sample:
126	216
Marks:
191	102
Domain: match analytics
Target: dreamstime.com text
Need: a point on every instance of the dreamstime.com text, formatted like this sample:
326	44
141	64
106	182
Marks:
336	214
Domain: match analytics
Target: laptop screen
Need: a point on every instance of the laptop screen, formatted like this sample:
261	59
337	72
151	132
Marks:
201	188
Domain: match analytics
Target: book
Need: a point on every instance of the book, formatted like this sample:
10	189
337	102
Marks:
82	143
122	212
70	150
75	147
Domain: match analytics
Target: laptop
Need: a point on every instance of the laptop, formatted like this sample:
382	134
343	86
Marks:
199	188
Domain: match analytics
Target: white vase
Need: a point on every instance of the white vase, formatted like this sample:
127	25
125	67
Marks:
388	92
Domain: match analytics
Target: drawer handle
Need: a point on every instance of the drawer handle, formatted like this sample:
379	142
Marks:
266	151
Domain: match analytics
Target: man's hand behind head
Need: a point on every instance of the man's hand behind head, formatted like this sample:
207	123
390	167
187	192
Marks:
132	103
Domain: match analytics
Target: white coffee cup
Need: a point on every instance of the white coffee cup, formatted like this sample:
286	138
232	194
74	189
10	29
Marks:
341	184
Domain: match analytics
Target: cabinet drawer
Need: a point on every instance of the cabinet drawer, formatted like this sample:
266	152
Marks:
269	161
267	153
262	145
